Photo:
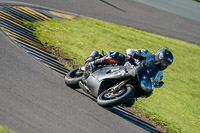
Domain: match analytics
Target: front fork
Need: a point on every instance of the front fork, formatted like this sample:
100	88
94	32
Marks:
120	85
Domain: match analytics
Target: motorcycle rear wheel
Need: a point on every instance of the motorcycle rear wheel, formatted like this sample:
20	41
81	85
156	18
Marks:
110	99
71	79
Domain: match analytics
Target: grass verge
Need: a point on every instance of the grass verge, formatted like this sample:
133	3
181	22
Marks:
176	105
5	130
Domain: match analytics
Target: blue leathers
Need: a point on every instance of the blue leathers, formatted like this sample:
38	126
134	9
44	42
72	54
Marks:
137	55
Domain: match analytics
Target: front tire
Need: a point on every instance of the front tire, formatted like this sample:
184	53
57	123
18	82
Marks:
110	99
71	79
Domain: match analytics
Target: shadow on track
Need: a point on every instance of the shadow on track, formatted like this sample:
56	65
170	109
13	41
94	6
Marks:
112	5
125	115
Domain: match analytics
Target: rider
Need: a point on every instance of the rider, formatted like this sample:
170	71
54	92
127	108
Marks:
161	60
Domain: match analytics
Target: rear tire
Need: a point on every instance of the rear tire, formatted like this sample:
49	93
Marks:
71	79
126	93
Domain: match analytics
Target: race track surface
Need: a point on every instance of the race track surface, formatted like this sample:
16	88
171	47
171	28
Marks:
34	99
187	8
134	14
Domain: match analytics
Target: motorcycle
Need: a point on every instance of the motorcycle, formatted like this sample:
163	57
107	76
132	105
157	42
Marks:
116	84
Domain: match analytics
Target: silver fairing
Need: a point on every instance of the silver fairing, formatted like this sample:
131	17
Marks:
96	79
146	84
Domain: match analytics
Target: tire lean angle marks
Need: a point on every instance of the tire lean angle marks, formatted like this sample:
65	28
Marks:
11	23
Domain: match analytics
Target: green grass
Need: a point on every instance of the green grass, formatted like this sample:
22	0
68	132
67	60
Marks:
176	104
197	0
5	130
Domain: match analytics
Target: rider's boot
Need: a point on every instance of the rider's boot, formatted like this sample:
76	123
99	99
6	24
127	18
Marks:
92	56
89	67
84	77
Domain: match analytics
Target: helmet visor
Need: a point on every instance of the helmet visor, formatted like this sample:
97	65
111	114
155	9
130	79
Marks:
164	64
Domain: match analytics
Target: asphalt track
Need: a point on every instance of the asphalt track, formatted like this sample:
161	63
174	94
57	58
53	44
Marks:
187	8
135	14
34	98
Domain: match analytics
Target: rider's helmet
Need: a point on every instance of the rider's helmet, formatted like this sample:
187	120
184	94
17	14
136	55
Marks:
164	58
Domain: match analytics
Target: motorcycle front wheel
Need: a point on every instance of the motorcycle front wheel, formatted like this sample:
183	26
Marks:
72	79
109	98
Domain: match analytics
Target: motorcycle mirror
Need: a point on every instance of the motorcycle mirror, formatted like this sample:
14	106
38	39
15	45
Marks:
102	52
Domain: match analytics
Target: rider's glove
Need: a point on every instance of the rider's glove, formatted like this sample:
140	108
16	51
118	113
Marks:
159	84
